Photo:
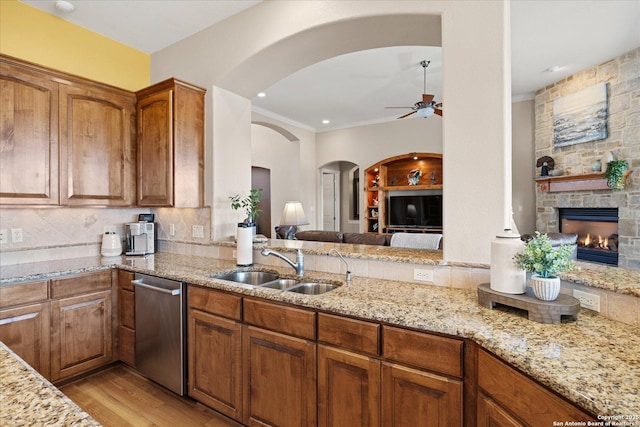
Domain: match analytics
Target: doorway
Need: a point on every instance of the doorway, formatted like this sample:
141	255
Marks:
261	178
330	198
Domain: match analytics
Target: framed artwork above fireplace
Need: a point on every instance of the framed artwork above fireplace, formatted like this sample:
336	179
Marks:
580	116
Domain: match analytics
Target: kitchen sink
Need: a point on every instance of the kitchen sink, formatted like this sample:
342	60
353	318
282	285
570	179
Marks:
312	288
255	278
280	284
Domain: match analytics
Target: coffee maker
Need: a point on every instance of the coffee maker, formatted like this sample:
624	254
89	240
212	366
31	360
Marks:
141	237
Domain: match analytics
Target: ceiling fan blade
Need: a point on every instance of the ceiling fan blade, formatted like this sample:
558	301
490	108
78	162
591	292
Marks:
406	115
426	99
438	111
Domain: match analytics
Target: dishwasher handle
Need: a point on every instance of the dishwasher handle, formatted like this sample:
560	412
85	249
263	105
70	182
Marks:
140	283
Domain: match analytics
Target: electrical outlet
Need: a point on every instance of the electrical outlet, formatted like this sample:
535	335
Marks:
4	236
198	231
587	300
423	275
172	229
16	235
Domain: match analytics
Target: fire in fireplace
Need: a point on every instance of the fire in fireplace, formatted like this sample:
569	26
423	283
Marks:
597	230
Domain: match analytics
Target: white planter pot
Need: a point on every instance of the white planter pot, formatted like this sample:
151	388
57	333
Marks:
545	288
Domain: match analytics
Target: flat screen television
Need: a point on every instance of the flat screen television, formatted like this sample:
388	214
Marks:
423	211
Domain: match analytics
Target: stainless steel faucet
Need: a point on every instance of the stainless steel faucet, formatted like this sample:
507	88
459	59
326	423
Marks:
345	263
298	265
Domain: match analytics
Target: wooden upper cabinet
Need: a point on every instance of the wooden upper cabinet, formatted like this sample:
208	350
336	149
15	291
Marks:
28	136
171	145
96	147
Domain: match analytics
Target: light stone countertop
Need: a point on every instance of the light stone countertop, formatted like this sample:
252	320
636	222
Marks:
28	399
593	361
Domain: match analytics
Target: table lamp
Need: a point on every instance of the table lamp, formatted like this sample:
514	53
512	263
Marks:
293	216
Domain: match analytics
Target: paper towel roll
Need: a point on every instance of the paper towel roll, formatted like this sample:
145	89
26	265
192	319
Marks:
244	244
506	276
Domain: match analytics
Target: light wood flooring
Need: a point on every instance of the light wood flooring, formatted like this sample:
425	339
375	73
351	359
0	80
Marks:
120	397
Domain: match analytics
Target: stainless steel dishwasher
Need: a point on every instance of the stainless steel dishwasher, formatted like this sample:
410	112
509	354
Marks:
161	330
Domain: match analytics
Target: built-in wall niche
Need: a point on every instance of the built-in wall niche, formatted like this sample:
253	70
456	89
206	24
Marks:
413	174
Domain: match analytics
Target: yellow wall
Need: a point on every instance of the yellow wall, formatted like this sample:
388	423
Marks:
33	35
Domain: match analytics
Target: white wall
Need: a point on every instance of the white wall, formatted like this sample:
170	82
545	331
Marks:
275	38
271	150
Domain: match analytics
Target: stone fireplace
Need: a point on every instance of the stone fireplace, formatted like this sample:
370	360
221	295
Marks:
597	230
575	161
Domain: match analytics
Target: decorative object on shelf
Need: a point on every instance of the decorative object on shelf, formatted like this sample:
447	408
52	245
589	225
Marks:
545	262
293	216
606	158
374	182
414	176
393	180
375	202
581	116
556	172
249	204
374	213
506	277
433	177
615	172
596	166
547	164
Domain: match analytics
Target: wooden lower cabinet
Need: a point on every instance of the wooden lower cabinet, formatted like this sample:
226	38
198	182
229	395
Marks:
215	362
506	394
348	389
490	414
126	318
415	398
279	379
26	330
81	334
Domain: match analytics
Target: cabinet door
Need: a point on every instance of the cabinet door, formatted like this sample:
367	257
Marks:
81	334
279	379
414	398
155	149
26	331
490	414
348	389
96	150
215	364
28	137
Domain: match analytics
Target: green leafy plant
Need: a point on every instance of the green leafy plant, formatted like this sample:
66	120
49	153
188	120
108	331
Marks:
615	173
249	204
541	258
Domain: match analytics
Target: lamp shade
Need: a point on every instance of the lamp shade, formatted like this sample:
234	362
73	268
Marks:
293	214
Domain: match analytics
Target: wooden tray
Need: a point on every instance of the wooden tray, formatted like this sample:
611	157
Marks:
539	311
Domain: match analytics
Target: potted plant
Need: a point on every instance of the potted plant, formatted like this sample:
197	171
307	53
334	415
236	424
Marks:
615	174
545	262
249	204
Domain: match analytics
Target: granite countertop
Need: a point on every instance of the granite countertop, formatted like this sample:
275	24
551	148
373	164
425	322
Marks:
27	399
592	361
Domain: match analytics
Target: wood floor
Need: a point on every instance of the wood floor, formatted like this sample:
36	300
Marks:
120	397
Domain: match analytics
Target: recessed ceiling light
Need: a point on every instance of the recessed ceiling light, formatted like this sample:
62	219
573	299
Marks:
65	6
555	68
261	95
326	122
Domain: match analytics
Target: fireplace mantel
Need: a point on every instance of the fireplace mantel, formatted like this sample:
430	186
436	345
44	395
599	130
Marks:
592	181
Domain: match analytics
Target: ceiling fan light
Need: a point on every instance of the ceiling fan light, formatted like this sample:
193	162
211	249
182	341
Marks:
426	112
65	6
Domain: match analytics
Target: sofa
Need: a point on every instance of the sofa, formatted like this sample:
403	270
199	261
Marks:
356	238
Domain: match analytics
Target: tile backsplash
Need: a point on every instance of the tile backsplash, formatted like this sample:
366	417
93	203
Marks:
58	233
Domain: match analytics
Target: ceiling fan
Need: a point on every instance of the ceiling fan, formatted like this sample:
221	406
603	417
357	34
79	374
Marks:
427	107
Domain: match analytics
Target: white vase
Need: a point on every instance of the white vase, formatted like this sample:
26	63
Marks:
545	288
506	276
